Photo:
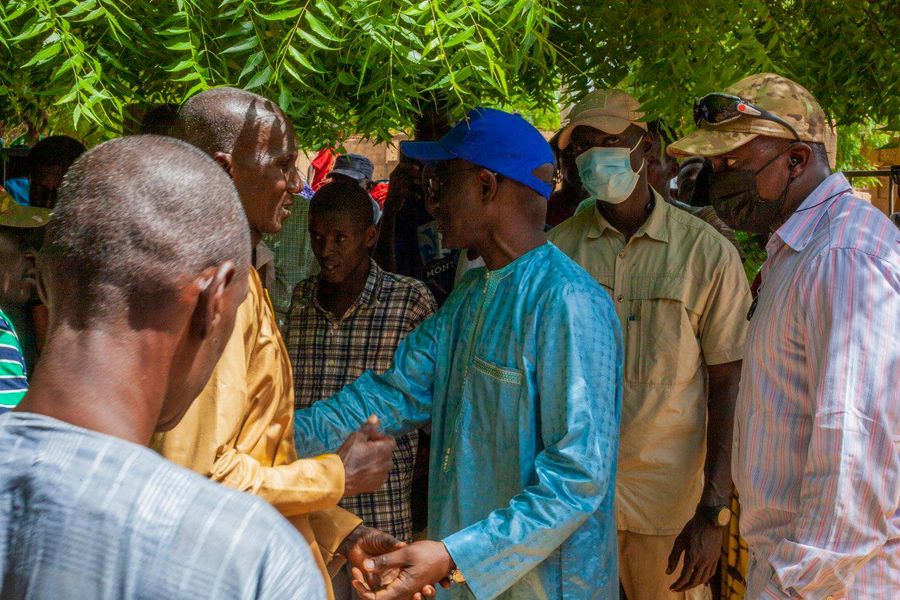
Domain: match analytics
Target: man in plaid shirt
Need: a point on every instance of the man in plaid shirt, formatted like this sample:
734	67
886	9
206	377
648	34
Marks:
349	319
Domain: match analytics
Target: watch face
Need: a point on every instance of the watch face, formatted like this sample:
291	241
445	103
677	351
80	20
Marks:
724	517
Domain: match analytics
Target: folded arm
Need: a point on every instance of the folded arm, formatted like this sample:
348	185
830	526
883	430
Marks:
303	486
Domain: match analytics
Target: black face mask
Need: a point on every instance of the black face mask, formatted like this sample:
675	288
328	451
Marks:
699	190
734	197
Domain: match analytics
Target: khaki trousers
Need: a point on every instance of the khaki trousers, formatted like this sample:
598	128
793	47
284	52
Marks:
642	569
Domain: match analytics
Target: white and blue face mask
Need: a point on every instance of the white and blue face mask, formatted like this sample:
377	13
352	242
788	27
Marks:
606	173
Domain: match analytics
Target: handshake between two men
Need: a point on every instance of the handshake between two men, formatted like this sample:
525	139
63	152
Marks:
385	568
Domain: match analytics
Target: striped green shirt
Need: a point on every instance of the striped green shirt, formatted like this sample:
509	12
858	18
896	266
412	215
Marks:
13	377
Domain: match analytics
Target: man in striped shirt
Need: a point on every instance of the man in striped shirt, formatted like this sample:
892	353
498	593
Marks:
150	238
19	233
817	426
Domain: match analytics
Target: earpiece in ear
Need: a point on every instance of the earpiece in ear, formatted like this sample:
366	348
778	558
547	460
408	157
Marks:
795	161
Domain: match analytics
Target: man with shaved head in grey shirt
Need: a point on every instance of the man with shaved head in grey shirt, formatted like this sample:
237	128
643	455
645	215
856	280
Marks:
145	264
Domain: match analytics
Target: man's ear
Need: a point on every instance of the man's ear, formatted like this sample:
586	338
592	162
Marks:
371	236
672	170
649	149
212	299
799	156
490	183
31	262
39	283
225	161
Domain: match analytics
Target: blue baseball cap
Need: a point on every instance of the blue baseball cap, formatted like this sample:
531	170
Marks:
493	139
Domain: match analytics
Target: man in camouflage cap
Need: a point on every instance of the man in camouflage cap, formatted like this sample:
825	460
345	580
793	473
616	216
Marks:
818	415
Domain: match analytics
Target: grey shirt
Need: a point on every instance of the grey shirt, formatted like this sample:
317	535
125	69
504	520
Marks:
87	515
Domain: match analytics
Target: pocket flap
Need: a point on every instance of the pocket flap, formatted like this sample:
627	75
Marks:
504	374
670	286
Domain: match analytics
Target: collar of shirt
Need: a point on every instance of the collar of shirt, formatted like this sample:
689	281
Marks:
798	230
508	269
369	297
264	256
654	227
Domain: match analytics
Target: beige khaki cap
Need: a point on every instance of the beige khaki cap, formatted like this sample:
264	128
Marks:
12	214
778	95
611	111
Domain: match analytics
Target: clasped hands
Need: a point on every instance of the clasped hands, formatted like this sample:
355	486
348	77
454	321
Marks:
367	455
384	568
403	572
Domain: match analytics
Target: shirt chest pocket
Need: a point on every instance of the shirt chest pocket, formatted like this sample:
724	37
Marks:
661	345
494	392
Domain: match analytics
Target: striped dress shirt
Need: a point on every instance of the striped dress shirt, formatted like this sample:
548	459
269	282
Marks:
87	515
817	427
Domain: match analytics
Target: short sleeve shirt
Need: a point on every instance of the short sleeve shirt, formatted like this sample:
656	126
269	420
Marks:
682	299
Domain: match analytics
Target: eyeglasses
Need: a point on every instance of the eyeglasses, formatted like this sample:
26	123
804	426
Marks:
717	109
434	183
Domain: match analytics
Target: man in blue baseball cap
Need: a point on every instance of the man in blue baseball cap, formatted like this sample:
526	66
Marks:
519	375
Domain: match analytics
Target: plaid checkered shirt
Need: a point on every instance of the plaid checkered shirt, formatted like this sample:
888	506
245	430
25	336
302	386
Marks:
328	352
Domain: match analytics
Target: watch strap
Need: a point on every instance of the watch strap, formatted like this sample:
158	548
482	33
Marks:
712	513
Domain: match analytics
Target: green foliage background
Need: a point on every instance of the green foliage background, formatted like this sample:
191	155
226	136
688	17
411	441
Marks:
338	67
342	67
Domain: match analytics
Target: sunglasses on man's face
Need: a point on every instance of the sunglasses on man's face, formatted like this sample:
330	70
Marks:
717	109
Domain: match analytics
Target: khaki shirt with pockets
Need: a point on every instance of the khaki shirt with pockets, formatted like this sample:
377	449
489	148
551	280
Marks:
682	298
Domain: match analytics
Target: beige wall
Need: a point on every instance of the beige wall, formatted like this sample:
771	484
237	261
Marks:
384	156
883	159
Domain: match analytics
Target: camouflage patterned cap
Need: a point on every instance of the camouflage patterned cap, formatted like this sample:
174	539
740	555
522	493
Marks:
12	214
778	95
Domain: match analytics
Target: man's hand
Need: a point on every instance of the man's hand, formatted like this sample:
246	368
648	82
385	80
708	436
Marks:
364	543
701	543
366	455
409	572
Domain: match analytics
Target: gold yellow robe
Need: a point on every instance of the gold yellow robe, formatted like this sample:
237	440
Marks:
240	432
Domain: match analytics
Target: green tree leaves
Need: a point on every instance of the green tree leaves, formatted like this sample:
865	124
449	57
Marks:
342	67
844	52
338	67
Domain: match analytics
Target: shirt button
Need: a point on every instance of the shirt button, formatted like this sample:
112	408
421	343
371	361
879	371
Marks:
619	298
622	254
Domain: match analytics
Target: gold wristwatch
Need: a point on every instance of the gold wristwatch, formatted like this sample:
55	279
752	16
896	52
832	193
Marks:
719	515
456	576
